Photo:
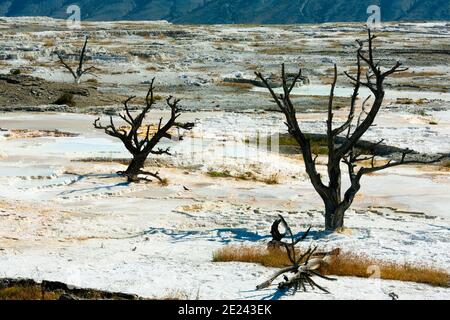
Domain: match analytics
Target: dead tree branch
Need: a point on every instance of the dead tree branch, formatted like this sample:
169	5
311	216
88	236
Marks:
303	268
138	138
79	71
335	203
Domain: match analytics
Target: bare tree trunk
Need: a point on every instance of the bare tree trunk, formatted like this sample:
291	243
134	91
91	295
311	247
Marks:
334	213
136	164
334	216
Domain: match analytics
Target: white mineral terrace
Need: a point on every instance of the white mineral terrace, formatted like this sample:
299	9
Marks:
66	215
77	222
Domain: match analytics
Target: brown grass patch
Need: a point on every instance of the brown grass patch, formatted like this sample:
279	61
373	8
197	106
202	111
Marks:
164	182
175	295
411	101
272	179
445	165
30	57
245	176
252	254
239	85
141	100
48	42
327	79
152	68
349	264
352	70
345	264
26	293
279	50
25	289
409	74
92	81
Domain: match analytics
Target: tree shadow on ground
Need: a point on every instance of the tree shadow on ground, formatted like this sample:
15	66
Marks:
107	187
224	235
267	294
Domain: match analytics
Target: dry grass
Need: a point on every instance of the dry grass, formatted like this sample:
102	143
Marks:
349	264
376	163
238	85
92	81
409	74
246	176
411	101
26	293
327	79
219	174
152	68
48	42
252	254
445	165
141	100
65	99
273	178
280	50
102	42
352	70
175	295
164	182
345	264
30	57
26	289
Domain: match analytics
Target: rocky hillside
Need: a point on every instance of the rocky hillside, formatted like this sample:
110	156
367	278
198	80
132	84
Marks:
232	11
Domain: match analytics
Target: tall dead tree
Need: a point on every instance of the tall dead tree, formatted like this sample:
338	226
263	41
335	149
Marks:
79	71
354	127
138	139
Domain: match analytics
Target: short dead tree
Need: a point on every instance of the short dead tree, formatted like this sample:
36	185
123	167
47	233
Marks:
351	130
304	265
139	139
80	70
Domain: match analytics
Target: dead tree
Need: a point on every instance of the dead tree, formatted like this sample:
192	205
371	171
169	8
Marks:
80	71
304	266
354	127
143	143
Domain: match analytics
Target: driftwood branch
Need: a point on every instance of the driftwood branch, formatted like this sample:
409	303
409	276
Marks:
303	267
